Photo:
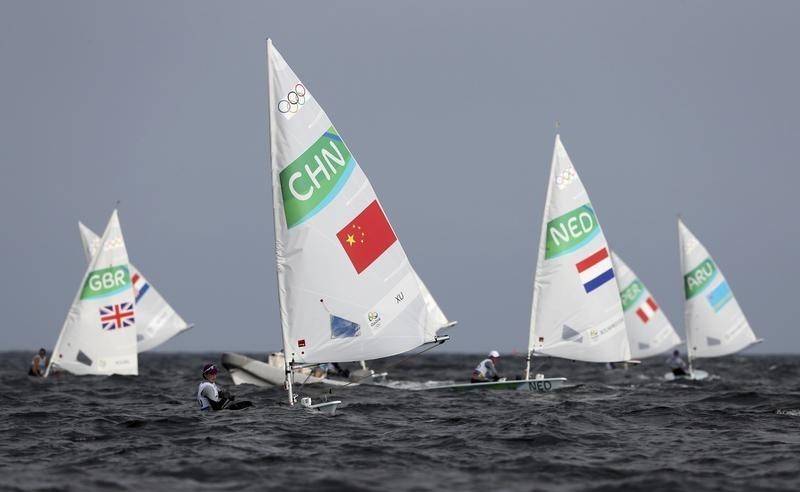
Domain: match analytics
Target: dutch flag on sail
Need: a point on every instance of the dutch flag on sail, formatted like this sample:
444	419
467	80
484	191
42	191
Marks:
140	286
647	310
595	270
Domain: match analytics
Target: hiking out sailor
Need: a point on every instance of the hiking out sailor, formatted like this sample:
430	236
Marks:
677	364
209	395
38	363
486	370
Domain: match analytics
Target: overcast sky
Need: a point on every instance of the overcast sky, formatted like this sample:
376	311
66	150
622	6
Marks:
450	107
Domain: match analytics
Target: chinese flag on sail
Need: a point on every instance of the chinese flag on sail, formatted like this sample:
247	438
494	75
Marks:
366	237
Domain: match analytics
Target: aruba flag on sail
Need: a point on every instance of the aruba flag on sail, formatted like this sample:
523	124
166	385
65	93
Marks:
720	296
595	270
366	237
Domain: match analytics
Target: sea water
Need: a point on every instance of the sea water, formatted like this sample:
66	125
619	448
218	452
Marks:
621	429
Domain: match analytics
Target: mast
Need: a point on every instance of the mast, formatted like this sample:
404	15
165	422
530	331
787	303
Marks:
539	258
275	210
686	323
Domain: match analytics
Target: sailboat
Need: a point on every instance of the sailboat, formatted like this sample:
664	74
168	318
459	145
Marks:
99	334
346	289
576	311
715	324
156	321
649	331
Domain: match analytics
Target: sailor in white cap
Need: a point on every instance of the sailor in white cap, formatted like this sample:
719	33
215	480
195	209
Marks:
486	371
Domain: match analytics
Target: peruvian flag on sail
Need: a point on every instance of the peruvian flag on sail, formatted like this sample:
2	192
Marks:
595	270
647	309
366	237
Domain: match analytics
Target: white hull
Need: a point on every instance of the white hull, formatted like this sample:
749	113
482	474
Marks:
325	408
696	375
544	385
245	370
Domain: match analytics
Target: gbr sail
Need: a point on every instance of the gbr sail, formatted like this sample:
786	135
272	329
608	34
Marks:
156	320
576	312
347	290
99	334
715	324
649	331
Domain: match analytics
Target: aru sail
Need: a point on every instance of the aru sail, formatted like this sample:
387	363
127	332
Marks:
576	312
649	331
99	334
347	290
715	324
156	321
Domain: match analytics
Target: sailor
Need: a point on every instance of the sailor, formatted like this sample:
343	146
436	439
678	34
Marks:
486	371
677	364
209	395
38	363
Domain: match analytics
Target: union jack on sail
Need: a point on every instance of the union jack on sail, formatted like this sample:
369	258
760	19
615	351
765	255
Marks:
117	316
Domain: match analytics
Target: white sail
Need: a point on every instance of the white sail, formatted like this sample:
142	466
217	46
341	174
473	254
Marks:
156	321
99	334
576	312
715	324
649	331
347	290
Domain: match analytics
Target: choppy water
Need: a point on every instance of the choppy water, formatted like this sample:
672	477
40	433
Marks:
615	430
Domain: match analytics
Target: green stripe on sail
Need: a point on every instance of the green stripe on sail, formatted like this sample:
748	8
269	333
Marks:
631	294
308	181
699	278
570	231
107	281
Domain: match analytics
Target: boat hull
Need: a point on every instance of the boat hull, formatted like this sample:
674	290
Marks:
696	375
245	370
544	385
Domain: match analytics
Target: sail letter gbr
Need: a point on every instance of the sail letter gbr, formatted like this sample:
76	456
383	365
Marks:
312	180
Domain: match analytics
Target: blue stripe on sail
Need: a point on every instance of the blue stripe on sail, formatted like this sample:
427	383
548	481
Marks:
346	172
142	291
599	280
720	296
332	136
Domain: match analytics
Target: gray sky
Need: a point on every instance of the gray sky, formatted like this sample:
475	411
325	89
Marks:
450	109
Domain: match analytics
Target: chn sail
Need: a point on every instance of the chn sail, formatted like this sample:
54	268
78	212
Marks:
649	331
715	324
576	311
347	290
99	334
156	320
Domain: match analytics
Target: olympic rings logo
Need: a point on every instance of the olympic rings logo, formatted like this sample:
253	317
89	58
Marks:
564	178
294	99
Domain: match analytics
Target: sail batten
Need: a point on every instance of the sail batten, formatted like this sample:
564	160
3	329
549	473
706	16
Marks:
346	288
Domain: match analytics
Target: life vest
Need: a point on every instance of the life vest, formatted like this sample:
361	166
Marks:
481	369
204	402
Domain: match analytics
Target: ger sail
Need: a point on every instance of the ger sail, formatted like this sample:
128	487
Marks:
156	320
715	324
347	290
576	311
649	331
99	334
